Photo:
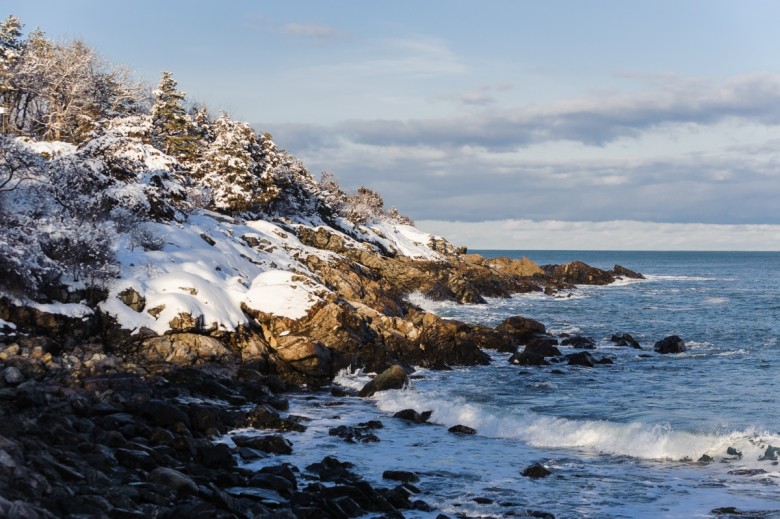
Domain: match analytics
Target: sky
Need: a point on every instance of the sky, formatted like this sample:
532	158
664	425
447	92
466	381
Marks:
650	125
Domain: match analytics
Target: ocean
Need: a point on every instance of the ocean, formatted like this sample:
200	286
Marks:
625	440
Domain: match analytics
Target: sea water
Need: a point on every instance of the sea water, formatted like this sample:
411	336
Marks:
621	440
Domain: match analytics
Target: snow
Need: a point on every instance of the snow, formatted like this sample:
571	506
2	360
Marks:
76	310
49	148
6	324
211	282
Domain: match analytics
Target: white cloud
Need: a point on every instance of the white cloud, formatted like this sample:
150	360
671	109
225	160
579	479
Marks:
611	235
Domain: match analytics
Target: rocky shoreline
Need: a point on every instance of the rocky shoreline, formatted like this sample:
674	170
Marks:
99	424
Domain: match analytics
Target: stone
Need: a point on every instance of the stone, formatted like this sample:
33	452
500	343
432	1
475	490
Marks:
543	345
462	429
410	415
173	479
580	342
623	272
12	376
273	443
394	377
579	273
671	344
527	359
536	471
184	349
521	329
625	340
582	358
131	298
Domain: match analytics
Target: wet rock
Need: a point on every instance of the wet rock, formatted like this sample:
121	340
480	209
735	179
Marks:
579	273
331	469
482	500
625	340
671	344
770	454
394	377
217	456
164	414
521	329
353	434
462	429
544	345
580	342
623	272
265	417
582	358
527	359
747	472
12	376
705	459
401	475
536	471
174	480
410	415
274	443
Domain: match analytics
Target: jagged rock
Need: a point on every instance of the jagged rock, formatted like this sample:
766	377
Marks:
527	359
579	273
394	377
185	323
621	271
184	349
132	298
304	359
582	358
671	344
580	342
625	340
272	443
12	376
543	345
523	267
521	329
410	415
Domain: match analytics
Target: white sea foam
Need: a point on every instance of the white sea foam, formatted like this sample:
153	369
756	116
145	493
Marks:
633	439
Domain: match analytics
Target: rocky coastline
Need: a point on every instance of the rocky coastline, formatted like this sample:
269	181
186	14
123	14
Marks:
97	422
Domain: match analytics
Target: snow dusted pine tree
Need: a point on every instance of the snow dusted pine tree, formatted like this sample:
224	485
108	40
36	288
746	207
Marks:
172	130
229	170
10	34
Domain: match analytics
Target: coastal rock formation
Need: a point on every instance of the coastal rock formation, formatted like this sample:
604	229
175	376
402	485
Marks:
671	344
394	377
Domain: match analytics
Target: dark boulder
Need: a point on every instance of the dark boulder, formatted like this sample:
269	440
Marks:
582	358
536	471
623	272
410	415
579	273
580	342
544	345
528	359
462	429
671	344
273	443
625	340
394	377
521	329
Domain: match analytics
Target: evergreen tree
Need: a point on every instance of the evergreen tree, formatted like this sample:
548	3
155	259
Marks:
172	129
10	34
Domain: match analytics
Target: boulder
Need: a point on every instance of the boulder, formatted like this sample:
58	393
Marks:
462	429
184	349
623	272
625	340
131	298
579	273
273	443
174	480
580	342
536	471
582	358
521	329
304	360
410	415
403	476
394	377
543	345
671	344
528	359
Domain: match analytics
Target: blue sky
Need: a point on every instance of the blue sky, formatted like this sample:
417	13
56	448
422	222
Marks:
500	124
